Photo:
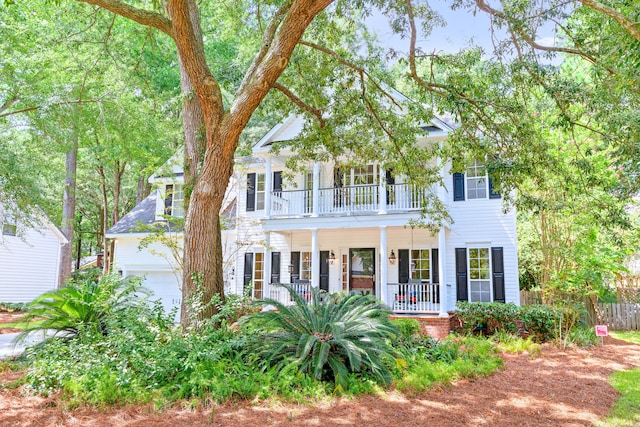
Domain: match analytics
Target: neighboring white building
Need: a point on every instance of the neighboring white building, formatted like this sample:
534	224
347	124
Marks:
345	229
29	257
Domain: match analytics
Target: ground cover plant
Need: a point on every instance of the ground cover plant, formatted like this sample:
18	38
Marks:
144	358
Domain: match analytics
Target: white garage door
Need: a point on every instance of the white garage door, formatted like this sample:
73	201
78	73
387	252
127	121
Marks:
164	287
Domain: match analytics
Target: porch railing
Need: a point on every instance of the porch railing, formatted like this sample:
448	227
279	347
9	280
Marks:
414	297
281	294
346	200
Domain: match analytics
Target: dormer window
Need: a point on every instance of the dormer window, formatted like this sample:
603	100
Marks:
174	200
474	183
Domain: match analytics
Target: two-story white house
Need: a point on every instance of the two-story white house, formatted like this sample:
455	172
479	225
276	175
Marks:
346	230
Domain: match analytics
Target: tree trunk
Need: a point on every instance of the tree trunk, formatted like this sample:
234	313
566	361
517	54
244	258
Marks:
68	210
203	274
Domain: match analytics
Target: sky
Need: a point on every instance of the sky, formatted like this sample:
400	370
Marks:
462	26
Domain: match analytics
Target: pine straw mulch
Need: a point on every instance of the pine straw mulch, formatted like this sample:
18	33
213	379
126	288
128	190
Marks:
557	388
10	317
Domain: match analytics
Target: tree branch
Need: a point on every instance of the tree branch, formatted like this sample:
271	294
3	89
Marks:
300	103
270	65
520	32
8	104
267	40
141	16
37	107
360	70
632	27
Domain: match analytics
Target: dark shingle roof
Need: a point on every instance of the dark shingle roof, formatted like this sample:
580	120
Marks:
143	214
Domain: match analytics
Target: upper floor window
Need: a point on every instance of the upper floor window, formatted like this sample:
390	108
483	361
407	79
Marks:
477	181
474	183
174	200
255	191
365	175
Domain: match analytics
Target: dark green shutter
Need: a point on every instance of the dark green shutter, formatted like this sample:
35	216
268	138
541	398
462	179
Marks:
295	262
275	267
462	293
324	270
277	181
458	186
251	192
403	265
497	267
248	270
493	194
435	267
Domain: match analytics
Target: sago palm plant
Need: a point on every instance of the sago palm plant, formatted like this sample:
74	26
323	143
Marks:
329	336
82	306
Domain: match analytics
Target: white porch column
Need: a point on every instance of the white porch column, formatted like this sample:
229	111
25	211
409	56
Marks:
382	190
268	187
315	258
442	269
381	283
316	188
267	265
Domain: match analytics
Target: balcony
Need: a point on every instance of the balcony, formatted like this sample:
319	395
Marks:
357	199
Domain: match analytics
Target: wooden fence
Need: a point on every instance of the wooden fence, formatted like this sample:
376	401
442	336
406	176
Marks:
619	317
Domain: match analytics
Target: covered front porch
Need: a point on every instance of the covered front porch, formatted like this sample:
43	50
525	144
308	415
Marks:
402	267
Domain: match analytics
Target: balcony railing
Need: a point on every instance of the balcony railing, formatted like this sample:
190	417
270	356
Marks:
414	297
347	200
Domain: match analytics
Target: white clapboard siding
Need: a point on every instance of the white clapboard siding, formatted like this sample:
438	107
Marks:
28	265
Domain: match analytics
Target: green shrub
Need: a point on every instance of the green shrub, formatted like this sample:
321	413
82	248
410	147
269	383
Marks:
407	327
583	336
328	338
539	322
487	318
82	307
10	307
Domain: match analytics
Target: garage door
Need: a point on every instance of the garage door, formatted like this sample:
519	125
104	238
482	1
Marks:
164	287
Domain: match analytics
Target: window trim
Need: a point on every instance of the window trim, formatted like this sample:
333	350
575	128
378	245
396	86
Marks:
489	278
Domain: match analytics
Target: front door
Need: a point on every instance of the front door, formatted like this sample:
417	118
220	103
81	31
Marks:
362	276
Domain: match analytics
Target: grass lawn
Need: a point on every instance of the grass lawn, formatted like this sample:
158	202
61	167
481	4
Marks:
626	411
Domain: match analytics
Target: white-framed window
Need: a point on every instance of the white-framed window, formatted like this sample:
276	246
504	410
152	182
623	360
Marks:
477	181
305	266
256	191
260	191
258	275
174	200
479	268
420	263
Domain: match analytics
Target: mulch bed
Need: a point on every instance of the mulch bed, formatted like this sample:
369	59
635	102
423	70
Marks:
10	317
558	388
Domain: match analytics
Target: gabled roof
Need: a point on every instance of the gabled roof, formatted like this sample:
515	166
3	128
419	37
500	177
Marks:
143	214
291	127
